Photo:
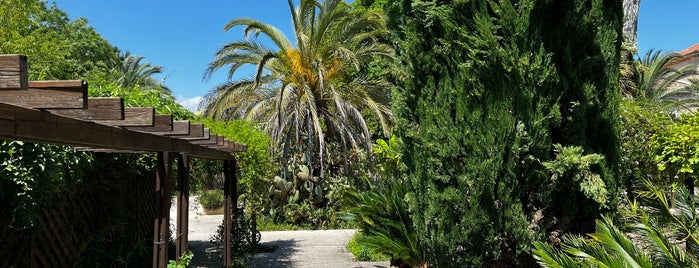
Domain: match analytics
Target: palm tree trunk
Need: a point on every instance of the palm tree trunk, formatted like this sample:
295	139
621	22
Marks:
631	8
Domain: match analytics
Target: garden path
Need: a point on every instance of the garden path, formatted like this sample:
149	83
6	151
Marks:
297	249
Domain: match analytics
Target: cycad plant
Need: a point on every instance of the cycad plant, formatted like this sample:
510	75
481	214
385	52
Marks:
384	219
661	230
309	92
655	78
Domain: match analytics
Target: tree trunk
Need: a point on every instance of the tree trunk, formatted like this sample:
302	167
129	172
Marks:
631	8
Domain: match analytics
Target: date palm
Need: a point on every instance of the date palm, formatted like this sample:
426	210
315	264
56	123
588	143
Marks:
309	92
133	72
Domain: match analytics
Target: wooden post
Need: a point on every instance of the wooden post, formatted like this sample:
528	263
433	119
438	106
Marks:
228	208
161	226
182	205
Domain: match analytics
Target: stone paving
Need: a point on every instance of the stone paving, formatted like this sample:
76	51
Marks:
296	249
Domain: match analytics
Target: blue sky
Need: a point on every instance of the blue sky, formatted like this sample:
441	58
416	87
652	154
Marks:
182	35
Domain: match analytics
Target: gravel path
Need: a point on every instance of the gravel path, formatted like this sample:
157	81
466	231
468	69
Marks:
297	249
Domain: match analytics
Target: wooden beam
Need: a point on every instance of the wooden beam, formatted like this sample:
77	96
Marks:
213	139
97	109
13	72
114	151
162	122
24	124
196	131
133	117
49	94
205	136
222	144
179	127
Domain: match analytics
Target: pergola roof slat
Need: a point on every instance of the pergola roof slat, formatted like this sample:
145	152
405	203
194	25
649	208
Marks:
205	135
133	117
48	94
162	122
59	112
13	72
195	131
213	139
97	109
26	124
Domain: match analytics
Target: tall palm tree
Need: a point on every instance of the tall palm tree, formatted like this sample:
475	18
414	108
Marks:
308	92
132	72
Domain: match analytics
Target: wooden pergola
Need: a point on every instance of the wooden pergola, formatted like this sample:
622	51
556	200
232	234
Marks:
61	113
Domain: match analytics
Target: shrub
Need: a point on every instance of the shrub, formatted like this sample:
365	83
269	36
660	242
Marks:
211	199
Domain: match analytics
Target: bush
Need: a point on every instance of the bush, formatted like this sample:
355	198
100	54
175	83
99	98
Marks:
211	199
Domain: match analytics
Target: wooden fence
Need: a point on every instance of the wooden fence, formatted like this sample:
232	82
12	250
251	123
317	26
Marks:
85	221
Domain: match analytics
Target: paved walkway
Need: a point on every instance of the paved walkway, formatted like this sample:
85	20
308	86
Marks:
309	249
296	249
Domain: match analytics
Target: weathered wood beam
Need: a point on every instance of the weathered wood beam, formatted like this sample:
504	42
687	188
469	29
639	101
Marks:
213	139
205	136
115	151
97	109
196	131
162	122
222	144
179	127
13	72
24	124
49	94
133	117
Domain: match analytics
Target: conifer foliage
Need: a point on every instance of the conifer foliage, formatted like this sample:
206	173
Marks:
487	89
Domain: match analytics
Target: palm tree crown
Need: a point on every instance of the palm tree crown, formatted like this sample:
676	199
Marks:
308	92
132	72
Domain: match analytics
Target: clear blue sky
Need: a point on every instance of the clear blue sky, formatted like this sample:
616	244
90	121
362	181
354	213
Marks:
182	35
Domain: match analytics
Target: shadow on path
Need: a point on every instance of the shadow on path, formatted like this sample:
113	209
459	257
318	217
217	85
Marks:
206	254
280	257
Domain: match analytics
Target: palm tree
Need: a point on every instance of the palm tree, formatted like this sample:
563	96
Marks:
133	73
309	92
654	78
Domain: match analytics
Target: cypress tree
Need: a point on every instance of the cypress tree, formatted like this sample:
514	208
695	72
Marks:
487	88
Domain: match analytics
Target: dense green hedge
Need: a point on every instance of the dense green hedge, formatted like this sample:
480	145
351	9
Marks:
487	89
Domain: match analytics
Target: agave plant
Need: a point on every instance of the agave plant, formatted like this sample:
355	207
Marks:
309	92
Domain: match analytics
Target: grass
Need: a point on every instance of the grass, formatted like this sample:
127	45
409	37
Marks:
264	224
362	252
